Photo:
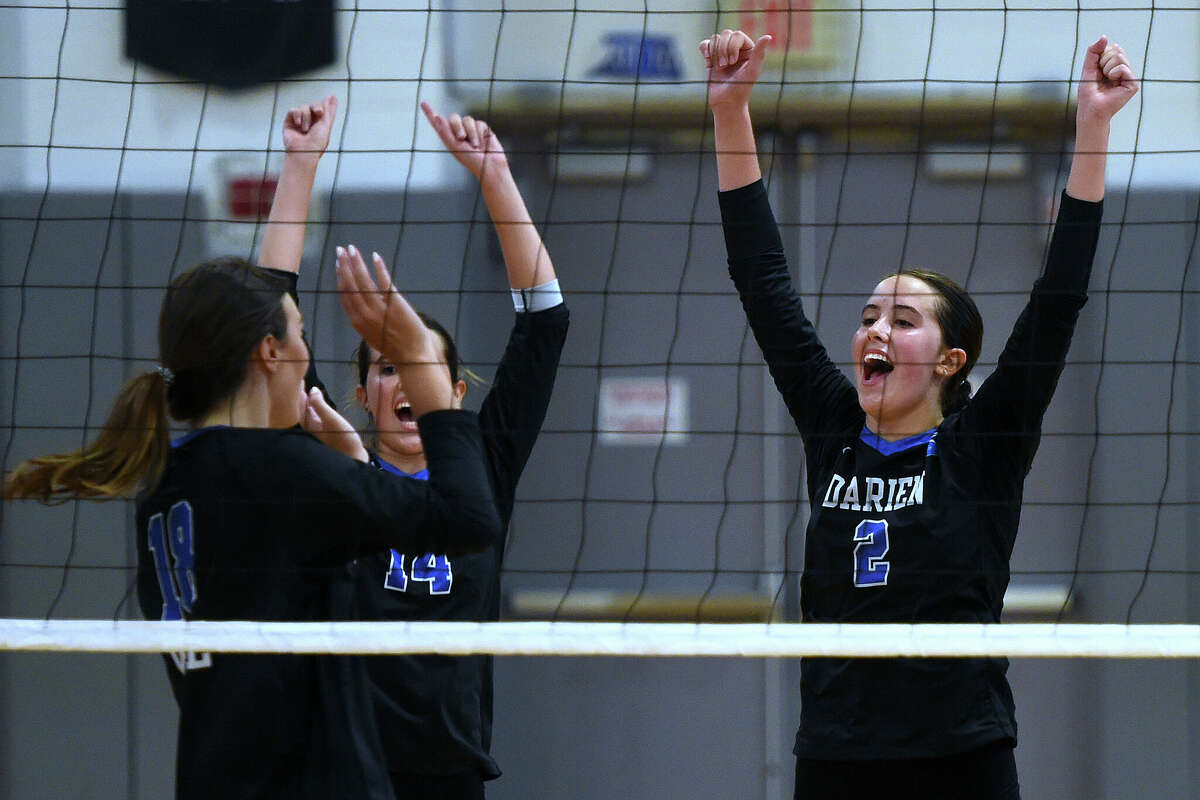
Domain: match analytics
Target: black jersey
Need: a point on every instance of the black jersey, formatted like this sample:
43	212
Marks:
257	524
919	530
435	712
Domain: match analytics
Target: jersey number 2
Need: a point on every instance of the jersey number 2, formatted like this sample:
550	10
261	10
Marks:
871	537
174	559
430	568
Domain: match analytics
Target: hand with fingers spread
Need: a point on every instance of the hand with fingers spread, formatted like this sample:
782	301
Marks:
389	324
1107	83
734	62
471	141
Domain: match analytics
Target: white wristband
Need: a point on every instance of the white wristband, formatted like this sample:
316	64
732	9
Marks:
537	298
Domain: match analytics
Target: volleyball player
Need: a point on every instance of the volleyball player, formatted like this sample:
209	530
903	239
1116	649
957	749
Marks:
435	712
915	485
247	517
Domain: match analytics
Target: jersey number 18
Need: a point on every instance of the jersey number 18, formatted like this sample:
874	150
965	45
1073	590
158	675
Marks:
173	543
173	548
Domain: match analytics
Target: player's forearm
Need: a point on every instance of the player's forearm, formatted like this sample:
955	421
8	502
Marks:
525	255
426	385
737	153
283	240
1086	179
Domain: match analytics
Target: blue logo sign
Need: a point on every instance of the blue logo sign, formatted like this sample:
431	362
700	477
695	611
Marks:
628	55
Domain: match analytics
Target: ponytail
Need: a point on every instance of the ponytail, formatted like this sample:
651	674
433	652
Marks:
212	318
956	399
129	454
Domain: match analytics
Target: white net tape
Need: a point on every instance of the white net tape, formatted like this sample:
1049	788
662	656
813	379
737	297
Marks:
607	638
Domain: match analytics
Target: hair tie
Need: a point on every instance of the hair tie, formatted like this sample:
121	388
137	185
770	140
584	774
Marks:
165	372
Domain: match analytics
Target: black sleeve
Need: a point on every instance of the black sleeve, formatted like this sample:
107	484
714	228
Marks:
347	509
1010	404
818	395
311	378
512	414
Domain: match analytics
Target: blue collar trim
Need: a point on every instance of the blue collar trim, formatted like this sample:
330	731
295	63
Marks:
187	437
891	448
421	475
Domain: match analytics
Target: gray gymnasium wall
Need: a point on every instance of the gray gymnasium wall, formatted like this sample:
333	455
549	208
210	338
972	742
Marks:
102	726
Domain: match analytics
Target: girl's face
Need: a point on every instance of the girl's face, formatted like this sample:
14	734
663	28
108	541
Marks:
900	360
384	399
288	399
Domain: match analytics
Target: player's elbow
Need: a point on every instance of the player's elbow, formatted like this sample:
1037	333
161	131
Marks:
474	524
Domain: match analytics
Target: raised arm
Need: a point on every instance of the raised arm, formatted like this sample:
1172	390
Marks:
475	146
1012	401
1106	85
305	136
817	393
389	324
734	63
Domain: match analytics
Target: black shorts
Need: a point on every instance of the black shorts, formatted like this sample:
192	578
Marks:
989	773
465	786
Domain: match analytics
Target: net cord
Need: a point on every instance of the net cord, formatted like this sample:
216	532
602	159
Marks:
1025	640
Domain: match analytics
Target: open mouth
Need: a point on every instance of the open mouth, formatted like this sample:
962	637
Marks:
403	412
875	365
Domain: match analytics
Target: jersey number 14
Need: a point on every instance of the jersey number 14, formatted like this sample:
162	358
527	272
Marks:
429	568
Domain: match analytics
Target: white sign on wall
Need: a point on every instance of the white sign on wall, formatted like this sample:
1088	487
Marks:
643	411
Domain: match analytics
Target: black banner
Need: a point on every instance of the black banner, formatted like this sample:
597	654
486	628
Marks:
232	43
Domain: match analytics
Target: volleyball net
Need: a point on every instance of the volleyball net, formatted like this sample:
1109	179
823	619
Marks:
667	484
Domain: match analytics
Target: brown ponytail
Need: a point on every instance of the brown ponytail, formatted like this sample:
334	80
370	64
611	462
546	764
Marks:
130	452
211	319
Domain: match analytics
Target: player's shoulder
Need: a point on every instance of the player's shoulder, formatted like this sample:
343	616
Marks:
250	442
239	452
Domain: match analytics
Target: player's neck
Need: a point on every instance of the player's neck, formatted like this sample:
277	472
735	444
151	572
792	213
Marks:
913	424
242	410
412	463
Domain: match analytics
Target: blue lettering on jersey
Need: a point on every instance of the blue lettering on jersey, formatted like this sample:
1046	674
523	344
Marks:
430	568
869	567
157	541
435	570
174	544
396	580
179	528
176	585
